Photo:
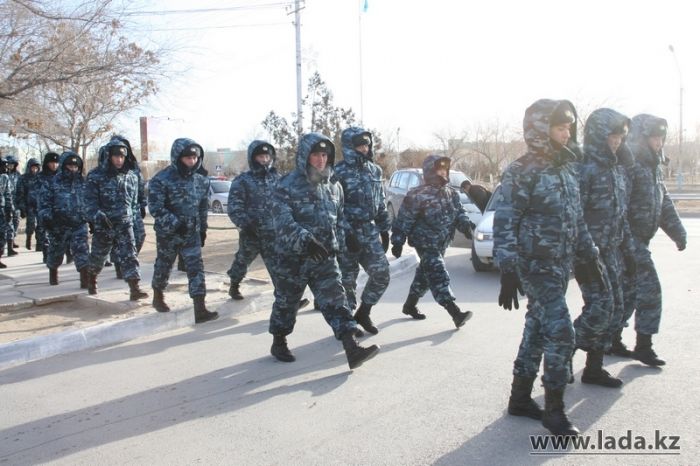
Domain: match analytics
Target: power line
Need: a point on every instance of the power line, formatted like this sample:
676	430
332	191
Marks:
232	26
207	10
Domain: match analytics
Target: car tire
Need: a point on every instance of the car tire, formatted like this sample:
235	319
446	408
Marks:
478	265
217	208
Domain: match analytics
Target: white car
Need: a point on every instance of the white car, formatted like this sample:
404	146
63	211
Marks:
482	246
218	195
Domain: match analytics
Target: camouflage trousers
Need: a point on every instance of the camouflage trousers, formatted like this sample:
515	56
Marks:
12	226
548	329
190	246
30	225
248	249
139	238
42	237
373	260
3	227
293	274
603	309
103	241
432	274
644	293
64	237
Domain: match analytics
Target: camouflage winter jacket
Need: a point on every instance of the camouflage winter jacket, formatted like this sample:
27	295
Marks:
540	216
62	202
28	187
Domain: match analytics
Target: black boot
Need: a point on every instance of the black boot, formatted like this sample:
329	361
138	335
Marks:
201	314
118	271
410	309
2	266
10	249
594	373
355	353
521	402
458	317
618	348
280	350
644	352
234	292
181	263
554	418
92	283
83	278
28	243
303	303
53	276
159	302
362	318
135	293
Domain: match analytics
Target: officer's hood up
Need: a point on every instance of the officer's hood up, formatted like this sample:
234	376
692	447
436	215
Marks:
11	159
130	157
31	163
642	127
353	137
261	147
67	156
176	151
430	167
600	124
49	157
536	123
119	145
307	142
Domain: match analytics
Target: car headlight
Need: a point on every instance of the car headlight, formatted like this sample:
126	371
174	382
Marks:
481	236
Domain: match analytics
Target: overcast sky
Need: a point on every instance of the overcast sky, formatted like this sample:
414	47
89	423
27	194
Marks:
428	66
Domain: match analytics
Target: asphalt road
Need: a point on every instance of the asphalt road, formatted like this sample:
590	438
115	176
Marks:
212	394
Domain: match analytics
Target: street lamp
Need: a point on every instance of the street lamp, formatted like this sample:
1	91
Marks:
680	119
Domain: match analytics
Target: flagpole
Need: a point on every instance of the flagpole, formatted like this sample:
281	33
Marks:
359	36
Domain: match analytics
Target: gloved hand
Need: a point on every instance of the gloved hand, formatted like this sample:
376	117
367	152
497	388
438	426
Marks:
181	229
203	237
589	272
630	266
510	287
353	244
396	250
681	245
384	235
316	250
143	212
469	234
103	221
22	214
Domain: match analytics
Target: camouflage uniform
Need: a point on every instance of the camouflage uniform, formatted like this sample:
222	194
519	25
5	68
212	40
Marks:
62	213
27	191
110	197
250	209
5	203
604	204
45	178
650	208
428	217
306	208
178	201
13	176
366	214
538	230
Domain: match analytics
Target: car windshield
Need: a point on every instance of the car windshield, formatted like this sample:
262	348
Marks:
496	199
220	186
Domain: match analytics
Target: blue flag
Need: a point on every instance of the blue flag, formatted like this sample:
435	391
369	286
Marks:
365	6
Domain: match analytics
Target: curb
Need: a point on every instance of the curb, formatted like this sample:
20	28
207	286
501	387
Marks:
110	333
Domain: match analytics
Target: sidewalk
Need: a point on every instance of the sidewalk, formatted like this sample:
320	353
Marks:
38	321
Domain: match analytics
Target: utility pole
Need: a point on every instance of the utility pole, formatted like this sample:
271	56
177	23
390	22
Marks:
297	28
680	119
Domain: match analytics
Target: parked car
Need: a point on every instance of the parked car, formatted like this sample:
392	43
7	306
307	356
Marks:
218	195
407	178
482	246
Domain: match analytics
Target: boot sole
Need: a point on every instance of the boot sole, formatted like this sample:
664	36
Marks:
537	416
375	351
613	383
461	323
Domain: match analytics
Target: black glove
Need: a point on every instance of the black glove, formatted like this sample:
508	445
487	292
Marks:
681	245
384	235
396	250
630	266
203	236
143	212
510	287
316	250
353	244
22	214
104	221
91	228
589	272
469	234
181	229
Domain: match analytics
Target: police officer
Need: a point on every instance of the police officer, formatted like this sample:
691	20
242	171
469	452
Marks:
6	204
178	201
368	220
110	196
308	215
538	231
62	213
28	188
13	224
49	168
427	218
650	208
603	200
